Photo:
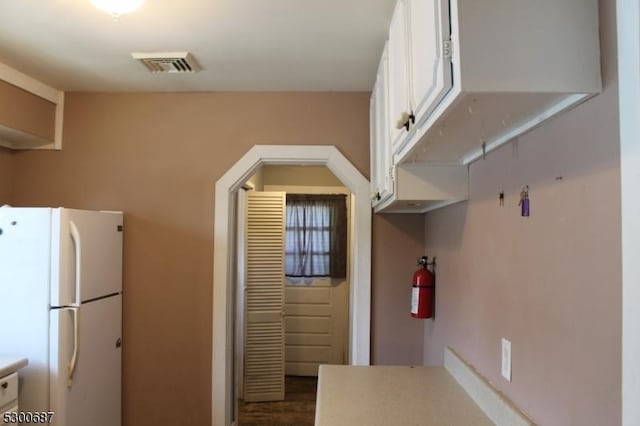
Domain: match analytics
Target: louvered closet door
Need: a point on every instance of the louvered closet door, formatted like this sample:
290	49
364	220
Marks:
264	334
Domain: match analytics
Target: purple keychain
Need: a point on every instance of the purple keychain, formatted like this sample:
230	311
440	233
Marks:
524	201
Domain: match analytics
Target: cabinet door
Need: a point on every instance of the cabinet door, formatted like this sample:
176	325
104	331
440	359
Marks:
381	183
430	62
398	73
374	154
385	182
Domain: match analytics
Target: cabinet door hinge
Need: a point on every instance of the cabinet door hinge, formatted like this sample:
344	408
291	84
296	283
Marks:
447	49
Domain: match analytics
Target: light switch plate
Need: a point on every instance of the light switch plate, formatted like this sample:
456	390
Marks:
506	359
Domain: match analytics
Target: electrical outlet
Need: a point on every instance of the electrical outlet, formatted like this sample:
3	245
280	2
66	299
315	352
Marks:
506	359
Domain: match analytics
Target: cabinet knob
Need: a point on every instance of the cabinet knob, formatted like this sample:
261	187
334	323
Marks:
5	385
406	120
403	120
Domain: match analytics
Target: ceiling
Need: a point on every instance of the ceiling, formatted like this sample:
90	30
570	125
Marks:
242	45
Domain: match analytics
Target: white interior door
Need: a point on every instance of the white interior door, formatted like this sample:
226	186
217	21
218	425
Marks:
87	391
264	336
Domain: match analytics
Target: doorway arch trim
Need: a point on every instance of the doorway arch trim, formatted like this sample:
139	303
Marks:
223	300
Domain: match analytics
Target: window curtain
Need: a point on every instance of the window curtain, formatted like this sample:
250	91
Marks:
316	236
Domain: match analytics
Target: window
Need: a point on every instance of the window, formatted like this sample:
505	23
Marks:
316	237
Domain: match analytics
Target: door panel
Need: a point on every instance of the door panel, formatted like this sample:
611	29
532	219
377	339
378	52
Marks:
92	394
264	335
93	239
308	354
304	324
316	327
298	339
379	131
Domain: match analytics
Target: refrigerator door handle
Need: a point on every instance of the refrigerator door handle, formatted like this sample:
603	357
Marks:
77	241
71	368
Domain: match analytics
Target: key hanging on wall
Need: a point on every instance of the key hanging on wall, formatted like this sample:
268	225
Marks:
524	201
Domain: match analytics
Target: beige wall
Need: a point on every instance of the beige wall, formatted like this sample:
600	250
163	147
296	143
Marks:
550	283
300	176
6	176
256	181
398	241
157	157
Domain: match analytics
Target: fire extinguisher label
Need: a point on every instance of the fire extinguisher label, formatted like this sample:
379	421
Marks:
415	300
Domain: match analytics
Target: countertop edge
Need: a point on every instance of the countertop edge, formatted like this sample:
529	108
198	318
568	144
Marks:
9	365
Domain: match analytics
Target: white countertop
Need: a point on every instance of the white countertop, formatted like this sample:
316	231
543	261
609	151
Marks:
10	365
408	396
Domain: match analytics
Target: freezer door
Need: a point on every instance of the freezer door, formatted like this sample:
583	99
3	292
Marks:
86	372
87	256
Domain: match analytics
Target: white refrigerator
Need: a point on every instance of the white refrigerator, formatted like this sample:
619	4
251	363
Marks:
61	307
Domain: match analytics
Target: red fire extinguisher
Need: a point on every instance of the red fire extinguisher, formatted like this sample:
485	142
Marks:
424	290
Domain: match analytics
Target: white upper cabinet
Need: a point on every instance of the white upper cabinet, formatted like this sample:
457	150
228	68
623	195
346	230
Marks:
466	76
514	63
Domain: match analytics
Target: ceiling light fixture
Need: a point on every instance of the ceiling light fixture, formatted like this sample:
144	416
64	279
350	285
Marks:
117	7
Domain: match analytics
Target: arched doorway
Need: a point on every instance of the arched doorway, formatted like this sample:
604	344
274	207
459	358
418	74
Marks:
223	300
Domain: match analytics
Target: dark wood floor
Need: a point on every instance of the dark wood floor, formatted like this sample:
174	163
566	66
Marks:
298	408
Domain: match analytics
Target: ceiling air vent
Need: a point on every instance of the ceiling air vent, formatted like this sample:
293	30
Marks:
167	61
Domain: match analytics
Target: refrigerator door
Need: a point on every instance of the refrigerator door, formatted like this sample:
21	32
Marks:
25	243
86	256
86	364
